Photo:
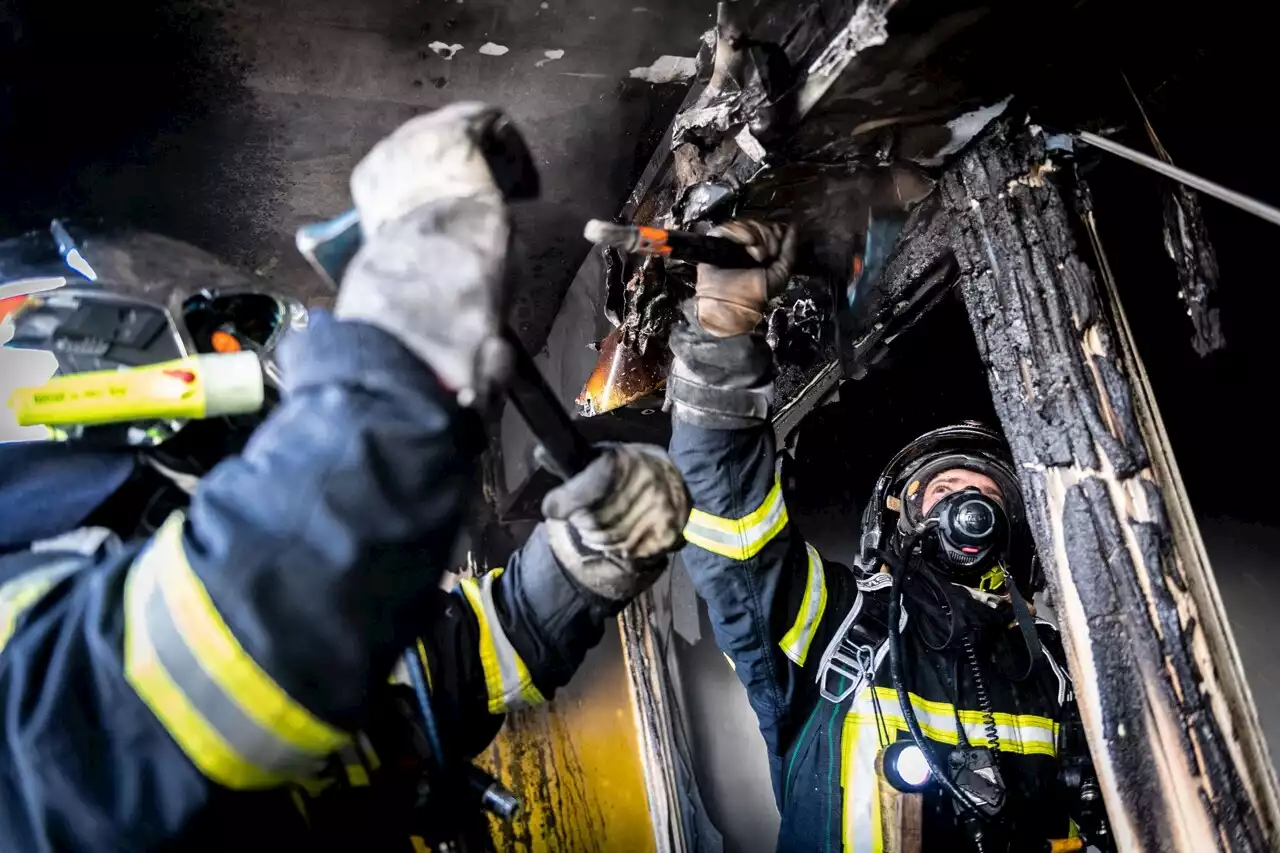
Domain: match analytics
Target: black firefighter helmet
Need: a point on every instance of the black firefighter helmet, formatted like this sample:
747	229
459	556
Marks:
895	509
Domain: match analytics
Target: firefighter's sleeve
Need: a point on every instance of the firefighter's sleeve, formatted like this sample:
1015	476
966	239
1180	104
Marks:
774	602
237	648
508	640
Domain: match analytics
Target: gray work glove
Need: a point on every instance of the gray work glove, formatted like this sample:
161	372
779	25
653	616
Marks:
612	526
731	302
432	270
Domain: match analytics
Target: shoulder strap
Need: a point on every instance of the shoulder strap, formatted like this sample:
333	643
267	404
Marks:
857	648
1027	625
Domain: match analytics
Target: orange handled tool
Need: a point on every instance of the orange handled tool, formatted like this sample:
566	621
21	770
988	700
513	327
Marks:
677	245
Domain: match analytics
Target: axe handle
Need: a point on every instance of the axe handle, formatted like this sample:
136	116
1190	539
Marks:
329	248
562	445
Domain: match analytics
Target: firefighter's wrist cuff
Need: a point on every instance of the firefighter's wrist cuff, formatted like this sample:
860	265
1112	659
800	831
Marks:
717	408
718	383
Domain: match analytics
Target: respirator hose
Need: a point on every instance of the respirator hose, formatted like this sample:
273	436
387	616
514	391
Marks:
900	569
984	698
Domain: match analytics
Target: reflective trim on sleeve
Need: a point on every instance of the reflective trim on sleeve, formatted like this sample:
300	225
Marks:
25	591
231	719
740	538
507	679
367	752
353	764
426	665
795	643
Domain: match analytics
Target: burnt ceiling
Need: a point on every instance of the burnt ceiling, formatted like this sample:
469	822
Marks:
228	122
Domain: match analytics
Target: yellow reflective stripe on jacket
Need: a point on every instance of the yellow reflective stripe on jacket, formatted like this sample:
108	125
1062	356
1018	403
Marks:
231	719
1023	734
863	820
353	765
507	679
869	808
795	643
23	592
739	538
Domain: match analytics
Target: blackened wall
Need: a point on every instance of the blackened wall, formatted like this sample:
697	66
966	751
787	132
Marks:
230	122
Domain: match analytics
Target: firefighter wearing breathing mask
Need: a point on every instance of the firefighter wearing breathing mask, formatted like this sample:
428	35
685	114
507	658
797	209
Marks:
958	730
190	684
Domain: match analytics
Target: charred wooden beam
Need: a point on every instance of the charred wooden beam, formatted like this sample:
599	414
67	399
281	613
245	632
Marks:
1186	239
1170	722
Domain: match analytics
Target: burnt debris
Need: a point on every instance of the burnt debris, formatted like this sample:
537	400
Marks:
1186	240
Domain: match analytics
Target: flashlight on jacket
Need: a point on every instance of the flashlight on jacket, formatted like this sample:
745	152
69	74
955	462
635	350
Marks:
903	765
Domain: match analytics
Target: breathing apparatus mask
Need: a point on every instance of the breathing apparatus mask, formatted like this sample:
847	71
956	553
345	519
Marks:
972	532
968	536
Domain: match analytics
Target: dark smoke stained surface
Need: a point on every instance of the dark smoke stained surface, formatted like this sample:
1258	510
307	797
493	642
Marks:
229	122
1219	410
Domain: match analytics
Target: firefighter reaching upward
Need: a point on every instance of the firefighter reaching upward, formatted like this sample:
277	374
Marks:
969	703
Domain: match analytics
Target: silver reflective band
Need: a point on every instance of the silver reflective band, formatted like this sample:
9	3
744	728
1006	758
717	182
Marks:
795	643
739	538
88	541
25	591
507	679
231	719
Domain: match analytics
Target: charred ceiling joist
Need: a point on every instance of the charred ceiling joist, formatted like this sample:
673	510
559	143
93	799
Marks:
1186	240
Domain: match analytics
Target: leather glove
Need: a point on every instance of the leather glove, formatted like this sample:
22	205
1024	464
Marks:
722	374
432	270
612	526
731	302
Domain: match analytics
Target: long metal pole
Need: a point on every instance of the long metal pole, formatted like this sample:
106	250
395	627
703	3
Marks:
1231	197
